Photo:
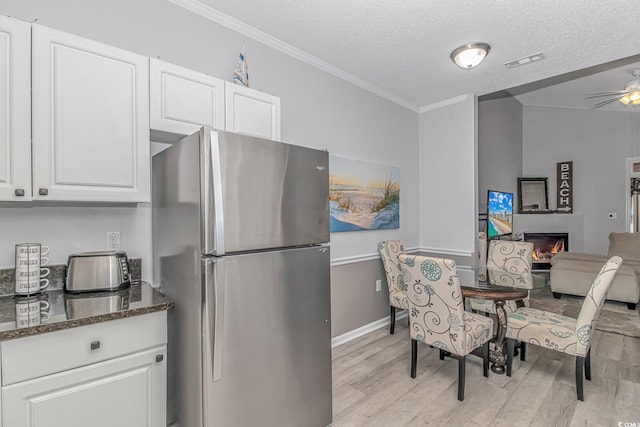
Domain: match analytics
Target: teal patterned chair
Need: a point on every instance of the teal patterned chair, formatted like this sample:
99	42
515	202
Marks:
389	252
508	264
562	333
437	315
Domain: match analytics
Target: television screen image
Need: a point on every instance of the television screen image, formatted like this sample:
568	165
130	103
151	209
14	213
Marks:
500	215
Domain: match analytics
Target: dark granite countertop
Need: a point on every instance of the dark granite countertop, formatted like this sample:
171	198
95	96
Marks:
56	310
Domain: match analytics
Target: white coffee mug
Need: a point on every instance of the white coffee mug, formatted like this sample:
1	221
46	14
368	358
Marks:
30	250
28	282
32	273
31	262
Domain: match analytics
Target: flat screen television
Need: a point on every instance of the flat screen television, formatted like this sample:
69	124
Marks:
500	214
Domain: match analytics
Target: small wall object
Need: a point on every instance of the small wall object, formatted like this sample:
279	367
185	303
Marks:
565	187
532	195
241	70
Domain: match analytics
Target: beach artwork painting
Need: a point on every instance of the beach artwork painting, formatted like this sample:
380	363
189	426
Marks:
363	195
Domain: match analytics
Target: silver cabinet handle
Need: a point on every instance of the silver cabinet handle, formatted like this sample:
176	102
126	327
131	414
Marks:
19	192
95	345
43	192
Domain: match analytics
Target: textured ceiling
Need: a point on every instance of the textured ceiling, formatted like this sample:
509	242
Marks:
402	47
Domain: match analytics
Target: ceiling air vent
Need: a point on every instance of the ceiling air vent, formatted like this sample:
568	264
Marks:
524	60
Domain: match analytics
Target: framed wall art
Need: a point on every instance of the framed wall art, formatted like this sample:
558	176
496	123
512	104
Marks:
363	195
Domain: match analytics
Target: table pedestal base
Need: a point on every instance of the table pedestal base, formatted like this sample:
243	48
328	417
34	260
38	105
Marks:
498	357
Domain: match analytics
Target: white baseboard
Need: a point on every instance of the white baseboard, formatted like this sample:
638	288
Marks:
364	330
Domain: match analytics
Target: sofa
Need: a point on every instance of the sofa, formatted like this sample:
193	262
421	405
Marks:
572	273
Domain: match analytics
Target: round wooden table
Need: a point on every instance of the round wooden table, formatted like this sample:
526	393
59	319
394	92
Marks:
497	294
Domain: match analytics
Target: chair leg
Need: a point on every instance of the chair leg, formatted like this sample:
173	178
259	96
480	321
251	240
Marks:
441	354
587	365
523	350
392	324
579	373
414	357
510	346
485	359
462	362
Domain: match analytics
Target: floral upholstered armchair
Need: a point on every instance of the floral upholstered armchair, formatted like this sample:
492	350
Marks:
562	333
389	252
437	315
508	264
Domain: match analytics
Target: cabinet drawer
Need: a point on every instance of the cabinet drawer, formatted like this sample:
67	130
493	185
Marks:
39	355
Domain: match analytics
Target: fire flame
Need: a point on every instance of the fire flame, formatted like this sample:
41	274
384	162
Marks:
545	256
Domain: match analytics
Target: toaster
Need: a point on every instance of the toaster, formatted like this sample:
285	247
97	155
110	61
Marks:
97	271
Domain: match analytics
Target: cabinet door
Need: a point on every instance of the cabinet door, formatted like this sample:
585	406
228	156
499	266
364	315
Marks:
251	112
15	109
183	100
129	391
90	120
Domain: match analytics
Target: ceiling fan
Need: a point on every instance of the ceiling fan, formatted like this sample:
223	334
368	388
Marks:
630	94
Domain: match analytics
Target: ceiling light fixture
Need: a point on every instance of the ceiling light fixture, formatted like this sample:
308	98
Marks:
633	97
470	55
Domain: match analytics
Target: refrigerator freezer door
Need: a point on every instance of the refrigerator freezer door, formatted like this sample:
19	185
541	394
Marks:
267	339
261	194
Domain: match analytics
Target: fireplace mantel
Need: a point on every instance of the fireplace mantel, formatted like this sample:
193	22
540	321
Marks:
553	223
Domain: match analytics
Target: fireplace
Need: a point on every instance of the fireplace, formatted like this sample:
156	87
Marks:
545	246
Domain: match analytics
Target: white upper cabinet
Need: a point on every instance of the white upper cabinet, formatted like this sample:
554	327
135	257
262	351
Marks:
183	100
251	112
15	109
90	120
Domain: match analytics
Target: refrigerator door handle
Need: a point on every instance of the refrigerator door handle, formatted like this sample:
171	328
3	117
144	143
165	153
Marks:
214	300
213	204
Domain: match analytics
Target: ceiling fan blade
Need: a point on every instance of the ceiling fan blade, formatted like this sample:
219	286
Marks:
610	93
608	101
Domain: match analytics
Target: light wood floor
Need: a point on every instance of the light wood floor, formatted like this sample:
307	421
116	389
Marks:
372	386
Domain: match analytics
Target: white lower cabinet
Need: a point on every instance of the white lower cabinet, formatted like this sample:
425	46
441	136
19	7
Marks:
114	375
125	392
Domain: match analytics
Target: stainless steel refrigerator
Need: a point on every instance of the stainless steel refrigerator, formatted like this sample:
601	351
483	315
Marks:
240	232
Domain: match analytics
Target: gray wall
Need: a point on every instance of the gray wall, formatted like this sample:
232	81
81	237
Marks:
318	110
499	147
354	302
448	177
597	142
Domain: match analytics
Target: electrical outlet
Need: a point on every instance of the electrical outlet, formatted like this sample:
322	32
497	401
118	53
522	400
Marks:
113	240
378	285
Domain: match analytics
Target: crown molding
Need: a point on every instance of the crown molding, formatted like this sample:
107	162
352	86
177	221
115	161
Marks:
233	24
444	103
